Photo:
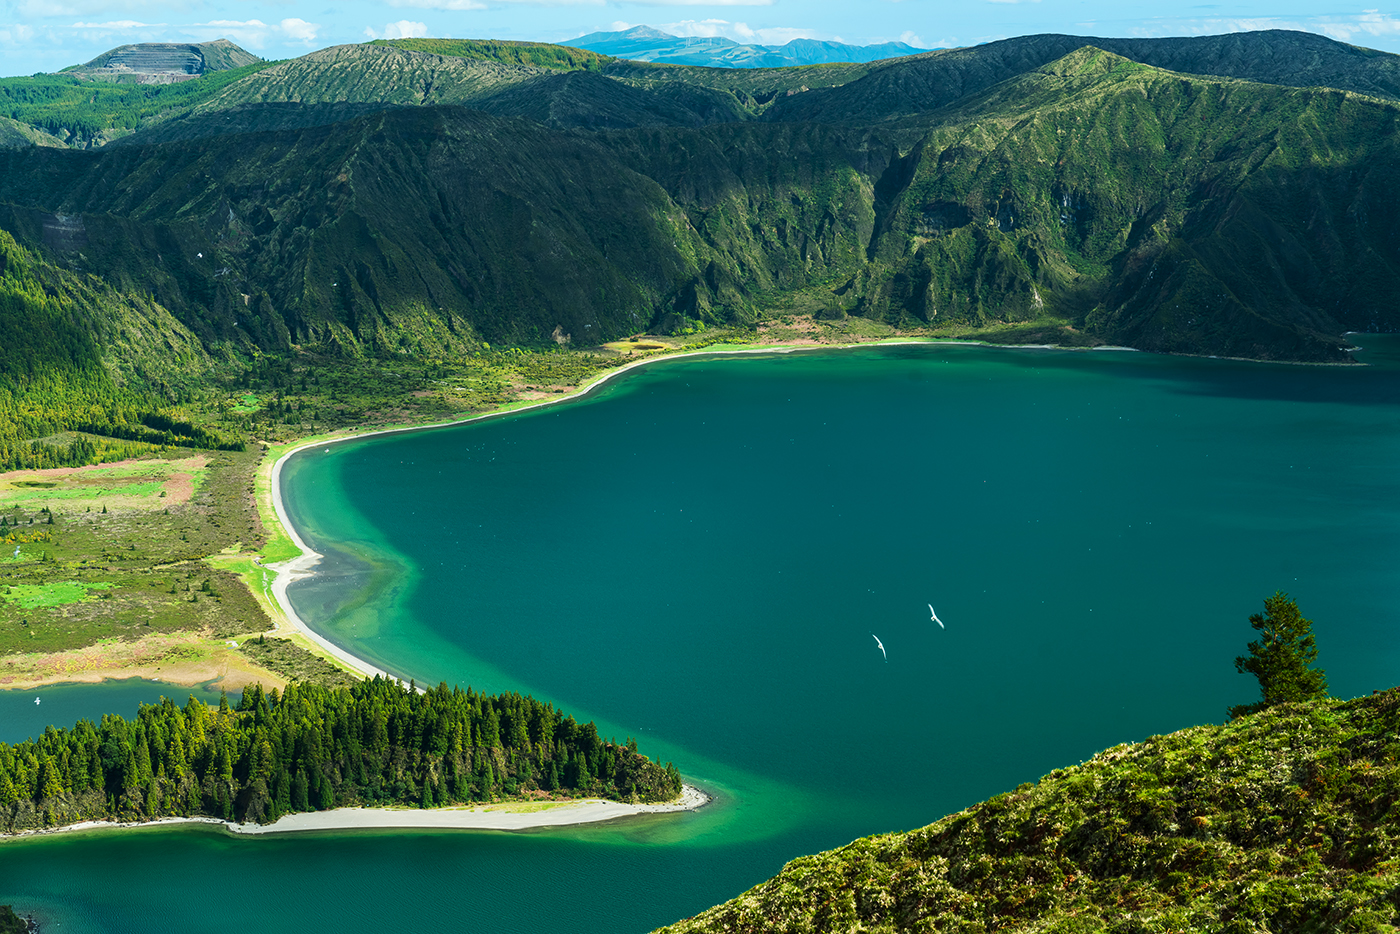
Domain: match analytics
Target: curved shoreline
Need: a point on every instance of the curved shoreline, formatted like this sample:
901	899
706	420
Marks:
301	567
506	816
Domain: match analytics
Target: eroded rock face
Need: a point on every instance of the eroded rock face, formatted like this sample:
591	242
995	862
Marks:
169	60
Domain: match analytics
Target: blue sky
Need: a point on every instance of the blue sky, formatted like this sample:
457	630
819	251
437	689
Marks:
45	35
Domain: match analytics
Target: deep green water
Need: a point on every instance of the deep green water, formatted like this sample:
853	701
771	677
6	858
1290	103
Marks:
698	556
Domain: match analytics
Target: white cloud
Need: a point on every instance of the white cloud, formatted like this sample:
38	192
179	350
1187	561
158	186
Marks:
16	33
908	37
118	24
440	4
1342	28
1012	1
299	30
403	29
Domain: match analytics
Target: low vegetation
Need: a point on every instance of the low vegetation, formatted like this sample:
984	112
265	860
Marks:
295	663
119	552
310	748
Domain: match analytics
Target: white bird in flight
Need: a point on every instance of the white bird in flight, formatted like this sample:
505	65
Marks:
36	700
881	645
935	617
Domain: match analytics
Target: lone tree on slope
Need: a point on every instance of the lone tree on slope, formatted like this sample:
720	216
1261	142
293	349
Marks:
1280	659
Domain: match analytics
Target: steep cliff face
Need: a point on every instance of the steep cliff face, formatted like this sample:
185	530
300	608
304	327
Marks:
932	80
167	58
1140	206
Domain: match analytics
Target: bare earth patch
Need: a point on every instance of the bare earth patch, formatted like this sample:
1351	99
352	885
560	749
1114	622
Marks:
179	658
144	485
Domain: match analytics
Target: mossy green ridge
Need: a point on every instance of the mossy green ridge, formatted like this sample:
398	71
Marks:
313	748
382	74
80	355
16	135
84	114
1156	210
925	82
535	54
1279	821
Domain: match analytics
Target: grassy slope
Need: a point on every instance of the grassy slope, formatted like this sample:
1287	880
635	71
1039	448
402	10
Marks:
1165	212
935	79
376	73
85	113
1282	821
16	135
534	54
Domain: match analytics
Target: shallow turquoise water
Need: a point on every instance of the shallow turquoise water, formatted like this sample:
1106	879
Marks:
699	555
66	704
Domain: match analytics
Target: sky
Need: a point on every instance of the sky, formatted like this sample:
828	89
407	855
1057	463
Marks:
46	35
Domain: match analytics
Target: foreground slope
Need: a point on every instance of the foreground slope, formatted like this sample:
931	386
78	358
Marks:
1281	821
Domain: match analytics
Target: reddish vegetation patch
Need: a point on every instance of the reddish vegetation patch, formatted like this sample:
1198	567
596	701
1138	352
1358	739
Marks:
179	487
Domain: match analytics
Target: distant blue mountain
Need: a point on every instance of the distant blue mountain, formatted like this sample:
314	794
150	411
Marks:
644	44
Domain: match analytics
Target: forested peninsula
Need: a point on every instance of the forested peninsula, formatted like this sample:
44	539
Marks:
379	742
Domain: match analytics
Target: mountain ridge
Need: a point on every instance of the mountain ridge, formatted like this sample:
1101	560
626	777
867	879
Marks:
647	44
935	79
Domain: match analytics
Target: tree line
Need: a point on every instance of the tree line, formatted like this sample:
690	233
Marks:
379	742
53	378
64	104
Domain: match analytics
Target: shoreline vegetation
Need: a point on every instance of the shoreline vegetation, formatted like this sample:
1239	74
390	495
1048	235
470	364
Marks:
377	745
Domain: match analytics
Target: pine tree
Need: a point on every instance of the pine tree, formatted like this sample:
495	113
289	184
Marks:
1280	659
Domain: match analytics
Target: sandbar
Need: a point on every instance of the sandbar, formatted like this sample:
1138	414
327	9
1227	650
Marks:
510	815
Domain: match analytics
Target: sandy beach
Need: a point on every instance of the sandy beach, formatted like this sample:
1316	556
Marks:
510	815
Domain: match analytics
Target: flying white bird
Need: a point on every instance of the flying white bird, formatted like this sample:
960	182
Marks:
36	700
881	645
934	617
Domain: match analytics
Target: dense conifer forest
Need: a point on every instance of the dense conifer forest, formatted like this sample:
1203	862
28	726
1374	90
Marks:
379	742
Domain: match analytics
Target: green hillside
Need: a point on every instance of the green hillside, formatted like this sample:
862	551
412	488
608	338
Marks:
78	355
16	135
377	73
534	54
1280	821
935	79
1136	205
83	113
1159	211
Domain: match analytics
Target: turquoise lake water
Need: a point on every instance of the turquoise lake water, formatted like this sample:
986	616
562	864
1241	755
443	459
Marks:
700	554
66	704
